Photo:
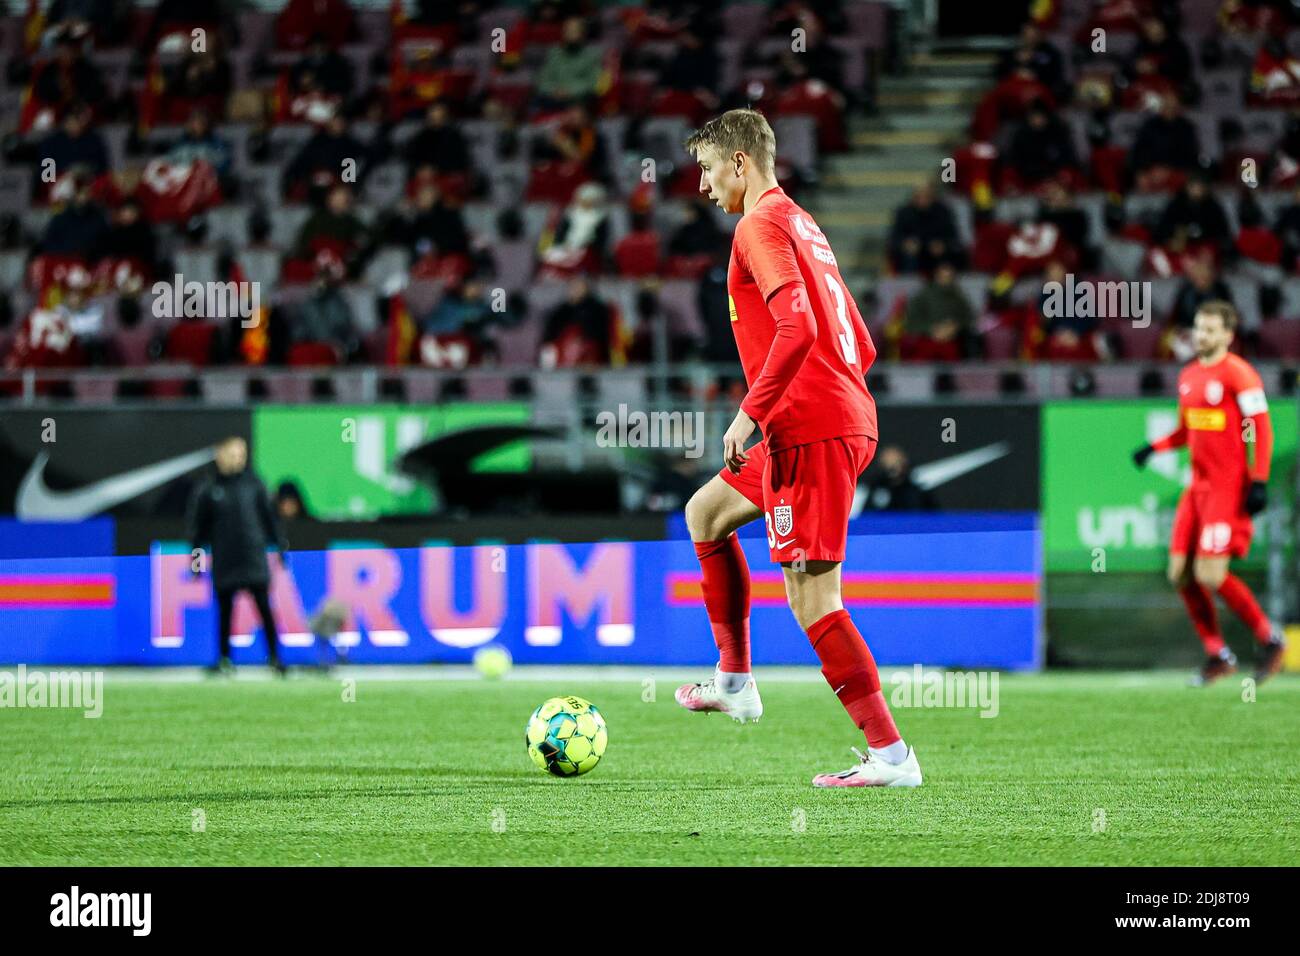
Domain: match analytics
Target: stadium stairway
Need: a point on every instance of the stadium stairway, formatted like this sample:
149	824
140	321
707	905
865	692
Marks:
921	119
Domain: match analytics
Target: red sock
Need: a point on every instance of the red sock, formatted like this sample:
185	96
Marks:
1238	596
725	583
849	668
1200	607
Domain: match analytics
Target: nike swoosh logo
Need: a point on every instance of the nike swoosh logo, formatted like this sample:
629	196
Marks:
782	544
37	501
936	473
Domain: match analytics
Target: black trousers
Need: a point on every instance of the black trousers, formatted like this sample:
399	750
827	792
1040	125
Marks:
225	612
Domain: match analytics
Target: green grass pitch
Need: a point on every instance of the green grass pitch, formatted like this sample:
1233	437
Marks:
1091	769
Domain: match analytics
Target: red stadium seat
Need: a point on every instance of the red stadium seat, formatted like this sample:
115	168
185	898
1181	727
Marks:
191	341
312	353
637	254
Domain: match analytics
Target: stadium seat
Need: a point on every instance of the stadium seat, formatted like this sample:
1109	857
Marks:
312	354
191	341
637	255
1280	339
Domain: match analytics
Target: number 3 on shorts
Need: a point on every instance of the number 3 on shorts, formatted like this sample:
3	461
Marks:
848	342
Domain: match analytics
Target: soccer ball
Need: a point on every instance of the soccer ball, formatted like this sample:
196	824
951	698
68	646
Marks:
566	736
492	661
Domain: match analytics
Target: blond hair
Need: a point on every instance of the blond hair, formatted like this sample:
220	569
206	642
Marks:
742	130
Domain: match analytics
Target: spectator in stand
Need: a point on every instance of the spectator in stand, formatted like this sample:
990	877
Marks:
1072	222
130	236
1068	337
923	233
719	344
1194	217
819	60
105	18
318	165
575	139
459	13
434	226
201	141
1287	229
787	15
204	78
323	69
1042	147
577	331
572	71
301	22
85	317
1035	53
216	16
939	320
1275	74
326	318
1008	102
69	78
580	240
75	147
78	230
336	228
463	310
699	233
438	146
1255	241
1163	54
891	486
1166	144
1201	283
693	68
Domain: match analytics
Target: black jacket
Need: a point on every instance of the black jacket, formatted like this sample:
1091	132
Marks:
231	516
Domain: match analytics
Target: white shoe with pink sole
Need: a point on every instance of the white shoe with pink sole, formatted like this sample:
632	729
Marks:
742	706
871	771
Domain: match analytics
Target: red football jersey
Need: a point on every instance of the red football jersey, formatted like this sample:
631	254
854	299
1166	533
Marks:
777	243
1213	401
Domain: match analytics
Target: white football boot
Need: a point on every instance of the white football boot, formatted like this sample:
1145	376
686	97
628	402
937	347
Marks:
744	705
874	772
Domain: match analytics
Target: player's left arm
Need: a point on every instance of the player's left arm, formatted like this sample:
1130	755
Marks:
771	260
767	251
1257	432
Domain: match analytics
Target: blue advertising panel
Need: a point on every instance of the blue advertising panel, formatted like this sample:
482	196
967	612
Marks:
957	592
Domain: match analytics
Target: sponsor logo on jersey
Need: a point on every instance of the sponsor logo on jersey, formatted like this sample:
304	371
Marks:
1207	419
824	254
808	230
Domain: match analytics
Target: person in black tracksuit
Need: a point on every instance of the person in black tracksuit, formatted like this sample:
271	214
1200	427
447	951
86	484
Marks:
231	518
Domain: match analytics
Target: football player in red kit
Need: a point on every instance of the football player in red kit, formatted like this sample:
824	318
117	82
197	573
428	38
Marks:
1222	412
805	352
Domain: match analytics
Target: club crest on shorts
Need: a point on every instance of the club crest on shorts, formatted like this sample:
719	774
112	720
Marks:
783	519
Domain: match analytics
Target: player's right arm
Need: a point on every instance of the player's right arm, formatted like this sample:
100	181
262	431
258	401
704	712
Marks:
1175	439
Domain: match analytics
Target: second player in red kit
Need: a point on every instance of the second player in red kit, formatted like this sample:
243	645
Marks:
805	352
1223	420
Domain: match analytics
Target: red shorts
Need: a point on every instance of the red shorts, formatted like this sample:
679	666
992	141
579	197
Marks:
1211	523
806	493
